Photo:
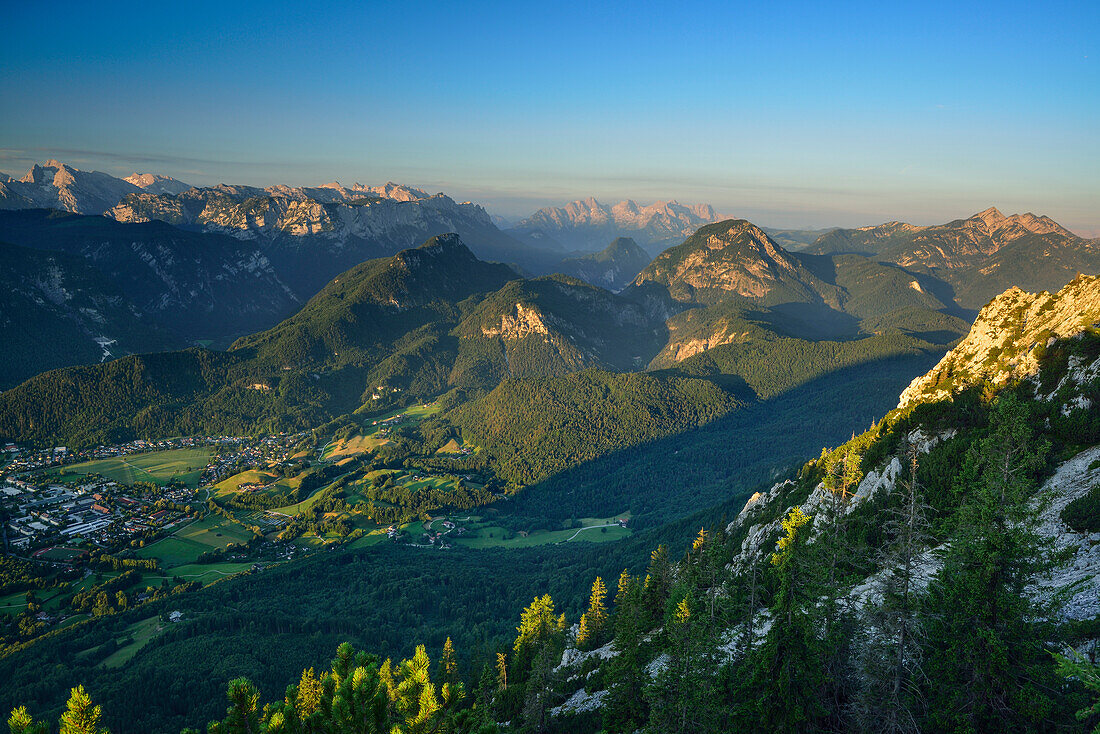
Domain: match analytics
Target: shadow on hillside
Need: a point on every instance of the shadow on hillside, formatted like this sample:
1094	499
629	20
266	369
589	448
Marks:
679	475
810	321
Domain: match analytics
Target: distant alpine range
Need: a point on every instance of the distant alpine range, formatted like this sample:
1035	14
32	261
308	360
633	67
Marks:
115	266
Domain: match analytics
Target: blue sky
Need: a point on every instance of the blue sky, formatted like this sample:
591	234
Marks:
792	114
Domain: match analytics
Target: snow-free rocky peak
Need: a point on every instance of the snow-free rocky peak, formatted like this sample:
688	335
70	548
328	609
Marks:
734	257
1008	338
157	184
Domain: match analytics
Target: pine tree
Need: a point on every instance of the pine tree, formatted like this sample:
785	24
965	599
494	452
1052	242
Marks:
889	697
360	702
985	659
415	703
21	722
81	716
243	714
782	690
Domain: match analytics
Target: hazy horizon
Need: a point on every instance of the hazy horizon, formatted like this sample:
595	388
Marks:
805	117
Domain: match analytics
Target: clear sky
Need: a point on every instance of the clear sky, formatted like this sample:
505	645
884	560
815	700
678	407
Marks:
791	114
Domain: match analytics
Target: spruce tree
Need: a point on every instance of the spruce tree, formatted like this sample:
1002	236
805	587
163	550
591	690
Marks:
889	699
625	709
986	664
783	686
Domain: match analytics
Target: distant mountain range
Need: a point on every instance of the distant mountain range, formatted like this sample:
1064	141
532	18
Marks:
159	264
979	256
156	286
588	225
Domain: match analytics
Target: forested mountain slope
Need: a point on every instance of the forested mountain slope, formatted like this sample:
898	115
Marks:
923	575
919	576
55	311
980	256
413	326
194	286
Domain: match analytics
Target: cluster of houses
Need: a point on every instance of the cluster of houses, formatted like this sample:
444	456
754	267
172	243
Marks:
26	460
42	514
266	452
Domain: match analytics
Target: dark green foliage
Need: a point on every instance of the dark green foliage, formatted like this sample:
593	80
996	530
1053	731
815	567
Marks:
194	392
537	428
1083	513
184	285
55	305
985	646
270	626
771	366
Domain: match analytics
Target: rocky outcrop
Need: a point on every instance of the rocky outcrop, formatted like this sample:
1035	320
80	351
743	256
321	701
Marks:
734	258
1008	338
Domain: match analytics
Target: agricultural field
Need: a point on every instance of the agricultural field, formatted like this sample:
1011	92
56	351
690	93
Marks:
483	534
132	639
231	485
349	447
279	485
373	434
158	467
191	541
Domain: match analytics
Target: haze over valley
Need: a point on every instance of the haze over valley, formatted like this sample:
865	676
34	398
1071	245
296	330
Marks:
549	369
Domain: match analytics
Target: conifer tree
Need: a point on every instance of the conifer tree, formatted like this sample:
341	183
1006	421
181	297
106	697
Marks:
657	586
682	696
782	690
1077	667
360	702
594	620
625	709
448	666
309	693
415	703
243	714
21	722
889	699
985	639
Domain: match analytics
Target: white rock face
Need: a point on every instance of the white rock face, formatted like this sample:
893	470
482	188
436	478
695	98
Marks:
55	185
1004	339
524	321
589	225
335	215
1080	575
580	702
